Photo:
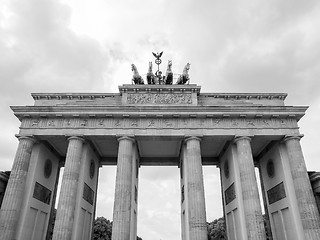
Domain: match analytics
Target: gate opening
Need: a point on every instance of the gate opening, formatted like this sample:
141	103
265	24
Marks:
159	203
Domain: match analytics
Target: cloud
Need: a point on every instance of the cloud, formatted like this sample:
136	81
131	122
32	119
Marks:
287	66
88	46
42	52
159	202
105	193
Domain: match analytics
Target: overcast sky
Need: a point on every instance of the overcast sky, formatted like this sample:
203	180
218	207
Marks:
88	46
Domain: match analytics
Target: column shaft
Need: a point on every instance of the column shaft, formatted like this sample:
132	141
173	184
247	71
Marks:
67	200
195	190
306	202
122	199
250	194
11	205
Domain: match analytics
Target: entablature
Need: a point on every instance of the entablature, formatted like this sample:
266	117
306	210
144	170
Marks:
249	112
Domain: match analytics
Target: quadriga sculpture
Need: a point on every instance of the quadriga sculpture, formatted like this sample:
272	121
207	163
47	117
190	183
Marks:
137	79
184	77
169	74
150	75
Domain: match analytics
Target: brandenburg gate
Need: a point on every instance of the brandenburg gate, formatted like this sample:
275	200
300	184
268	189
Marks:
159	125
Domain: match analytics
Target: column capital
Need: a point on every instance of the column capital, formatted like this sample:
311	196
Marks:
242	137
131	138
187	138
81	138
62	163
291	137
28	137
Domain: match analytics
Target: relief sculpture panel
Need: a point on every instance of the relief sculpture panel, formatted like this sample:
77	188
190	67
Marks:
170	98
158	123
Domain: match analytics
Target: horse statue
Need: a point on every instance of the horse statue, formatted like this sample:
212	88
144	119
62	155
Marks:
169	74
184	77
137	79
150	75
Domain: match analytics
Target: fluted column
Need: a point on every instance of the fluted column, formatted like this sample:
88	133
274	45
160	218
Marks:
67	200
122	199
250	194
195	190
11	205
306	202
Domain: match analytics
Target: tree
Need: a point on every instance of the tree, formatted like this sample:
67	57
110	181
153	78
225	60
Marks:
102	229
217	229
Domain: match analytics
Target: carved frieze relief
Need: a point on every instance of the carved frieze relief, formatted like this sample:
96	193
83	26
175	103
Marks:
159	123
161	98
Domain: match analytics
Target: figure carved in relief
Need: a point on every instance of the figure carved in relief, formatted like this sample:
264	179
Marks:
151	123
117	123
137	79
217	121
84	123
250	123
167	123
184	77
35	122
150	75
234	122
51	123
283	123
134	123
101	122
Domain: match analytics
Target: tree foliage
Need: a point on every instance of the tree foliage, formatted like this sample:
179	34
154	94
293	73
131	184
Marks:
102	229
217	229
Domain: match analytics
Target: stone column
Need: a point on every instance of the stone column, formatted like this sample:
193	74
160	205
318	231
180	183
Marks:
249	187
122	199
306	202
195	190
67	200
315	184
54	198
11	205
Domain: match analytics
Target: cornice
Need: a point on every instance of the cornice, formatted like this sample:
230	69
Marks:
160	111
157	89
247	96
233	108
314	177
72	96
188	88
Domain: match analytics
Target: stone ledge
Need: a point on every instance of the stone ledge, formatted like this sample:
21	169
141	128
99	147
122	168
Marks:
248	96
187	88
